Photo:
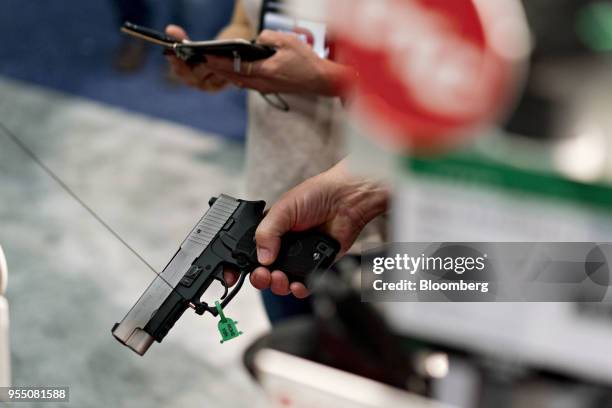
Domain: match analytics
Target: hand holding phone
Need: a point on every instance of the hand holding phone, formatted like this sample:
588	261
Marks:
196	51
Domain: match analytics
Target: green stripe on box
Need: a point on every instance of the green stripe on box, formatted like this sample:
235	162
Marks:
471	168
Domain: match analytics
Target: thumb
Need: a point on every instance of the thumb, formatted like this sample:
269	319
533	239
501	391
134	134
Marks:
272	38
176	32
275	224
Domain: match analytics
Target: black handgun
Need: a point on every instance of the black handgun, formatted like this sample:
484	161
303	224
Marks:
224	237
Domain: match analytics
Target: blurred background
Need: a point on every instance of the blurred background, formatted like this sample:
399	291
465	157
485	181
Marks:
76	48
146	154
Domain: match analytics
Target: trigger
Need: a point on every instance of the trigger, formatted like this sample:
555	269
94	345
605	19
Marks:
225	287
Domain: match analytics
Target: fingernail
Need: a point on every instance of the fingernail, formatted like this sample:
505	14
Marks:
263	255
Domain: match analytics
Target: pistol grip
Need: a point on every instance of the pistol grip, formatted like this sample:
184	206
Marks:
303	253
300	254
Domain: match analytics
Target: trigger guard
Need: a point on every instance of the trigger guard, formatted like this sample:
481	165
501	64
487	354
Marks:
225	287
236	289
228	297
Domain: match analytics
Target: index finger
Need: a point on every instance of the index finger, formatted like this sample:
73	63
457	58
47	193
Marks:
230	276
220	63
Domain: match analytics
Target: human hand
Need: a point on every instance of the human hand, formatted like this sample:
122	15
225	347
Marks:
197	76
335	202
294	68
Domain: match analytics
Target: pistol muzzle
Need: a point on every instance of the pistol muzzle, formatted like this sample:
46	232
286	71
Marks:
139	340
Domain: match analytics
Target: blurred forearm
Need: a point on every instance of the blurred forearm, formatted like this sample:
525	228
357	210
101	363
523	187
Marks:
239	26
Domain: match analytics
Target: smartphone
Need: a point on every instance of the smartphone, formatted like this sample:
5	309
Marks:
196	51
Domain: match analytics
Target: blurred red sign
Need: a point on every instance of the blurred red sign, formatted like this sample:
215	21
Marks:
431	71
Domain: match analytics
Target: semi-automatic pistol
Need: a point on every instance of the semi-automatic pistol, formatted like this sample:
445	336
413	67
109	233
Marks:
223	238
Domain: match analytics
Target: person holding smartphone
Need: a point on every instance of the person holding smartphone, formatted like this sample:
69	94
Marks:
284	146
